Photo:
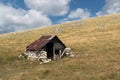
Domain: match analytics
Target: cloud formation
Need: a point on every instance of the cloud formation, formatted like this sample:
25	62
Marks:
16	19
49	7
12	19
79	13
110	7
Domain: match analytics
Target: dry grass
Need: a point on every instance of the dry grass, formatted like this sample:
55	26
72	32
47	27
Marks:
95	41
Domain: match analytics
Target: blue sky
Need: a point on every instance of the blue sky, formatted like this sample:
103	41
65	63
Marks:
17	15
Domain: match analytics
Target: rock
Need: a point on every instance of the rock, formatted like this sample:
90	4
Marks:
72	55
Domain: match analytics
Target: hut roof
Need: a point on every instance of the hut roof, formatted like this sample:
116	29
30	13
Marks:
40	43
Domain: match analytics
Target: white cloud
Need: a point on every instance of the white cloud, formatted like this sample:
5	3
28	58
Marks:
49	7
79	13
12	19
111	7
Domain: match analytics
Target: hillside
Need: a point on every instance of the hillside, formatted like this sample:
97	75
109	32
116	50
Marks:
95	41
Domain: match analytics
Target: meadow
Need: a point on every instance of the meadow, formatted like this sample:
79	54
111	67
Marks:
95	41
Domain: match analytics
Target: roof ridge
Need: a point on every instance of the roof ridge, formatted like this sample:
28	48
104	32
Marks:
51	37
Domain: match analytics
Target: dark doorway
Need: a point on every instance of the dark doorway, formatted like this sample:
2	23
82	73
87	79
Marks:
57	52
49	49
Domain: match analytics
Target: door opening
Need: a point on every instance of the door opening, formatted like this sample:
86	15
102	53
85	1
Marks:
49	49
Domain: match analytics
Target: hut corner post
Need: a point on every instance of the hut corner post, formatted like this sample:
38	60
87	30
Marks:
54	56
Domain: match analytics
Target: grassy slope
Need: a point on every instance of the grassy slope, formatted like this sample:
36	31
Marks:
97	52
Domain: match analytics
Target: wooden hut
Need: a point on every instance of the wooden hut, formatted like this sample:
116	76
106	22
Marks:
51	44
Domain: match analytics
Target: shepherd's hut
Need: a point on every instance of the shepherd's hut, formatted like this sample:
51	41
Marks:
51	44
